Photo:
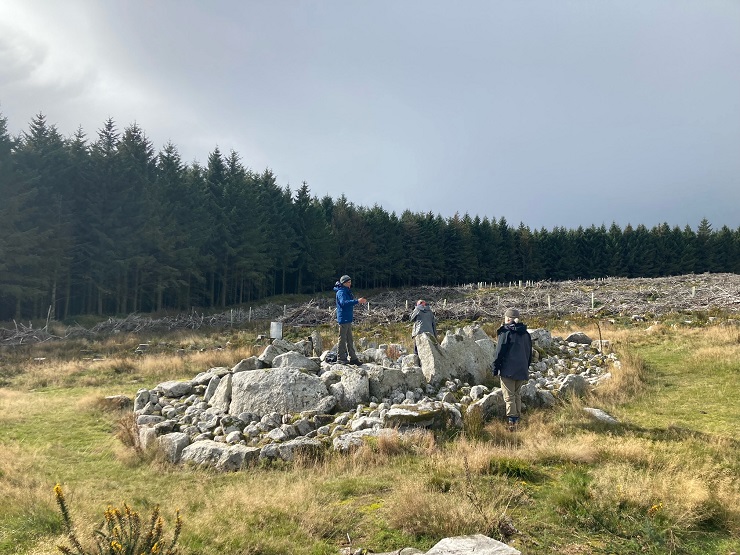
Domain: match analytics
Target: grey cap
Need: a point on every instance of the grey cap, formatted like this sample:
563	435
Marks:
511	313
344	279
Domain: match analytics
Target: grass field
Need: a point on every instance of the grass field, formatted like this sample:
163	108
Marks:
666	479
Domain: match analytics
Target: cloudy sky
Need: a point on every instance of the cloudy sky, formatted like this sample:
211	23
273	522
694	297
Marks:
550	113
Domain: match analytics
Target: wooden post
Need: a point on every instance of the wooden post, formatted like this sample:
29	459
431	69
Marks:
549	306
592	300
250	315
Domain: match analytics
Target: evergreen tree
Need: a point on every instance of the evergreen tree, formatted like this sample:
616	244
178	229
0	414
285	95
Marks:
724	251
385	262
703	242
616	251
218	246
17	237
351	241
174	235
458	255
249	232
276	206
42	162
688	258
505	253
312	243
136	219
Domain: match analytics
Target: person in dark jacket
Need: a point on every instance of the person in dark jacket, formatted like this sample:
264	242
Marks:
511	361
345	315
424	321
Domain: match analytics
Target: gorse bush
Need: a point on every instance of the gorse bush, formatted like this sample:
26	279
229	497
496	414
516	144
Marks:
121	532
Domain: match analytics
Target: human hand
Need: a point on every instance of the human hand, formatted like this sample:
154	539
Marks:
362	300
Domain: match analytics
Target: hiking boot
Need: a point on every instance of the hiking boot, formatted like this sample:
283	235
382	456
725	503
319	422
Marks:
512	424
342	361
355	362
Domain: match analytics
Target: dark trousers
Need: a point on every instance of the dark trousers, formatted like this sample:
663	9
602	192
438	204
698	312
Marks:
346	348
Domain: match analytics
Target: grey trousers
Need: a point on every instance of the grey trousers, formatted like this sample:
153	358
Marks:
512	396
346	348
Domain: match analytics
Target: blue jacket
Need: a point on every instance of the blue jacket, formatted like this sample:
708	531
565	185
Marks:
345	304
513	352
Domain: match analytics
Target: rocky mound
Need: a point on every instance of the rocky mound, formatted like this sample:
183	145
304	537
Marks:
289	400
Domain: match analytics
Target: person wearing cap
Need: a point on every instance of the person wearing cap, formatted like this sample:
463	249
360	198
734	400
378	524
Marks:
511	362
345	316
424	322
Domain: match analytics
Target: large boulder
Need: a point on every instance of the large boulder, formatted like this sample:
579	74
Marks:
295	360
385	381
541	338
282	390
573	384
175	388
579	337
236	457
353	440
490	405
478	544
458	356
534	397
246	364
221	398
277	347
352	389
288	450
435	415
205	452
172	445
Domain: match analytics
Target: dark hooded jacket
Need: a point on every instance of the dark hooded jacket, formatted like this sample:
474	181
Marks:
513	352
345	304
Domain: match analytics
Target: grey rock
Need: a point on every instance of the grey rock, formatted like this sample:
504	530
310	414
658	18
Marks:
286	390
247	364
353	440
148	419
277	347
175	388
173	444
477	543
600	415
236	457
579	337
541	338
205	452
295	360
491	405
573	384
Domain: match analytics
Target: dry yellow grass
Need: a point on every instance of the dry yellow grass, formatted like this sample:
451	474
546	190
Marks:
409	483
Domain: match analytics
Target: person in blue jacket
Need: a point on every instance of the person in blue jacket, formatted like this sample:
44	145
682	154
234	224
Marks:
345	315
511	361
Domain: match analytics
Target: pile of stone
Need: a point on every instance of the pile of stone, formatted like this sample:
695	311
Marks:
288	401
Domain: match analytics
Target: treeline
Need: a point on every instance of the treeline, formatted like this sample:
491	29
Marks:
109	226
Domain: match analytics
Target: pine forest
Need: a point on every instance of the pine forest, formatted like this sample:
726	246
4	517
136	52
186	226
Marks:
109	226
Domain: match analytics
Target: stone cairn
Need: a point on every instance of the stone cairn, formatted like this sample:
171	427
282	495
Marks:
289	400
